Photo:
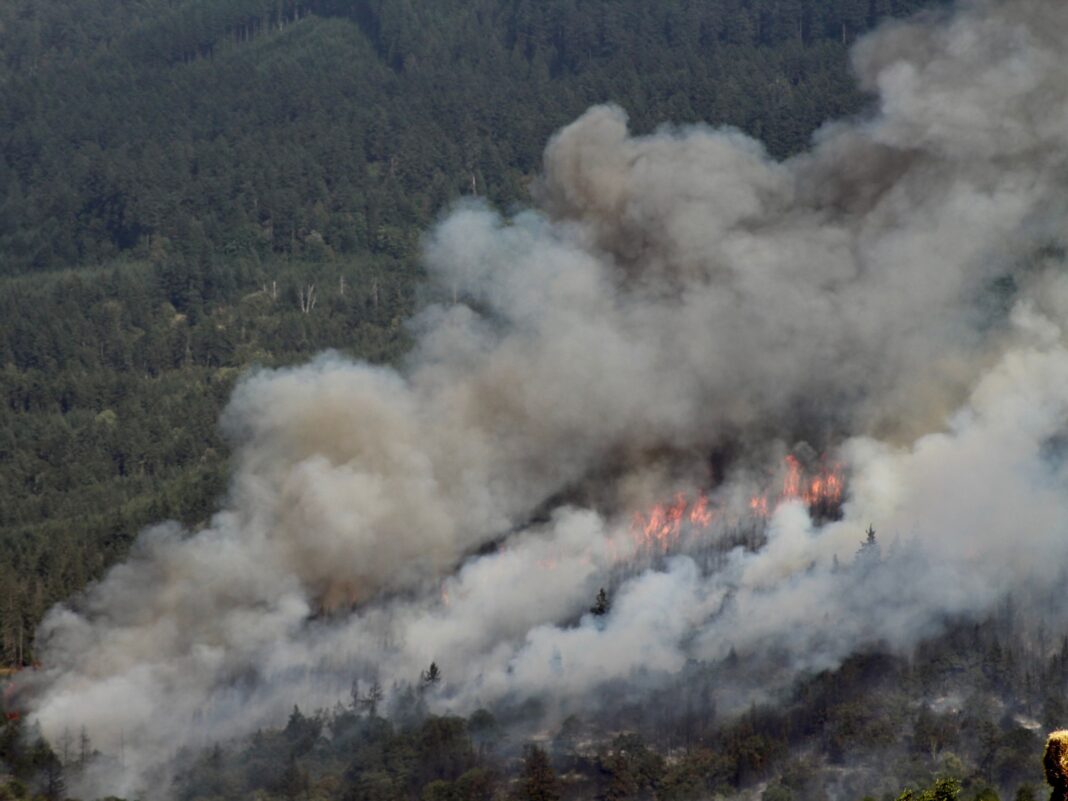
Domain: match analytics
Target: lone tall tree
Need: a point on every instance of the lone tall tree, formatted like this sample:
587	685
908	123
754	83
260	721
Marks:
601	604
431	676
869	548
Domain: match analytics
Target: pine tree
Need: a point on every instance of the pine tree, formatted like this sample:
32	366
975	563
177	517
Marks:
869	552
601	605
431	676
373	698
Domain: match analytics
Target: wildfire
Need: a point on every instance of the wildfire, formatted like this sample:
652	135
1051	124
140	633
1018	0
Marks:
819	492
758	505
664	524
700	514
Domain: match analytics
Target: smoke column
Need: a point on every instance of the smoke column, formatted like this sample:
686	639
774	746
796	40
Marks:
894	297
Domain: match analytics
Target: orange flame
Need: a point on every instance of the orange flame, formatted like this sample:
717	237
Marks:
662	527
824	489
791	483
700	514
758	505
819	492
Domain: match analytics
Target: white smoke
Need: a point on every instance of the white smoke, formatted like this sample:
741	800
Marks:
675	295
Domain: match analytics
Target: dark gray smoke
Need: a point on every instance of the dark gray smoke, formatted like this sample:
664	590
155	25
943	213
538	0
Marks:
896	294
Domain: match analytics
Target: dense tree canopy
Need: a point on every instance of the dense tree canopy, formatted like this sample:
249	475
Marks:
250	127
191	187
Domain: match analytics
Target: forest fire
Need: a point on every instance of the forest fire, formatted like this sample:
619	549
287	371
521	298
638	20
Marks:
821	490
662	526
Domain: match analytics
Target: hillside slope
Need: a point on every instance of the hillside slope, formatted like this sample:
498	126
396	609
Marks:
179	179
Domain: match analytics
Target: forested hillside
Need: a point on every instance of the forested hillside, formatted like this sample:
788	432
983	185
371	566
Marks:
966	711
190	188
322	126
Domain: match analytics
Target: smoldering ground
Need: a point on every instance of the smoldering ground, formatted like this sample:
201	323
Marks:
895	296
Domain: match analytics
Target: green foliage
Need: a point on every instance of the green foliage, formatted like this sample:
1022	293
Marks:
302	732
343	127
232	159
700	774
944	789
776	792
191	187
476	784
538	780
110	400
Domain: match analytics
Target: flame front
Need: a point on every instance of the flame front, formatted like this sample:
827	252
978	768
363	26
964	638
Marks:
821	493
824	490
758	506
661	528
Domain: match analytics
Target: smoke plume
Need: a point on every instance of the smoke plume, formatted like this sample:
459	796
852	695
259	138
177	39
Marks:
678	313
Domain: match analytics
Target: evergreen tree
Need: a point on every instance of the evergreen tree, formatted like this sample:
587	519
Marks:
270	157
869	552
538	780
371	700
294	782
430	677
601	604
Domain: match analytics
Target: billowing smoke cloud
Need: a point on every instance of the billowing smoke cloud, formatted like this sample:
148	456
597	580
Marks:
678	312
